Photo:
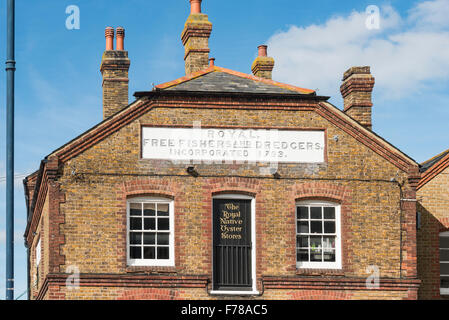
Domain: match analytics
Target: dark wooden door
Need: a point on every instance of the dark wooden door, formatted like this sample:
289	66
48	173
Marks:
232	244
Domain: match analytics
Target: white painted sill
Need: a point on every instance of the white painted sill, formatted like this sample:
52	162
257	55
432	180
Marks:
234	293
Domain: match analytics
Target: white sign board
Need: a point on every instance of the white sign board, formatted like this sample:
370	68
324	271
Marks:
247	145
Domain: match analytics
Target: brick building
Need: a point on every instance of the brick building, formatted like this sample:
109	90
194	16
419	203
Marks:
433	228
223	184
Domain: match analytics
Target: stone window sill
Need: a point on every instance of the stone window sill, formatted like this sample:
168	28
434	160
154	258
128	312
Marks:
320	272
151	270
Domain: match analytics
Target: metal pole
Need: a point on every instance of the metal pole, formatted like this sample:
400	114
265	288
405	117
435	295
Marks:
10	69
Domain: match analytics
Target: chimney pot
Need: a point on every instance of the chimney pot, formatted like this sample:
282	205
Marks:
109	35
195	6
120	39
262	50
211	62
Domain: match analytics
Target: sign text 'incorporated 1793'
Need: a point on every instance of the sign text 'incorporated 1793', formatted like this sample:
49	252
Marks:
246	145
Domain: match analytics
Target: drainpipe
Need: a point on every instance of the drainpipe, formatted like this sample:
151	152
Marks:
10	69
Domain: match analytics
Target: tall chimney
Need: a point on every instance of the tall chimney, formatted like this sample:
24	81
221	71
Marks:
114	68
195	38
357	88
263	66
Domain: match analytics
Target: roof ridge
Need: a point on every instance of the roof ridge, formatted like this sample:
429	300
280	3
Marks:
192	76
210	69
264	80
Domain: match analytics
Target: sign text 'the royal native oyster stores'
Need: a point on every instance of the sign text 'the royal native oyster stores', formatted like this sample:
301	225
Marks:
247	145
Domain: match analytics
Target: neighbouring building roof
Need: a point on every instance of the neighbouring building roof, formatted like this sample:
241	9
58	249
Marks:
426	165
433	167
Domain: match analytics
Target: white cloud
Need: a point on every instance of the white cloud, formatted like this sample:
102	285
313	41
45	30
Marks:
404	54
430	15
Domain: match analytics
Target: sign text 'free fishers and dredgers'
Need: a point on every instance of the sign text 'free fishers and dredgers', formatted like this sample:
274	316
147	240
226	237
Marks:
247	145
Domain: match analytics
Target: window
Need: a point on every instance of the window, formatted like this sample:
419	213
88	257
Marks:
318	240
38	253
38	261
150	236
444	263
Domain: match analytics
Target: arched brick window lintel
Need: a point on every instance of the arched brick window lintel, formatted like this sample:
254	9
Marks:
319	198
147	187
223	191
321	191
151	193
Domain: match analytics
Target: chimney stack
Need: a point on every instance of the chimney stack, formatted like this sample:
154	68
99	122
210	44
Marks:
114	68
263	65
357	88
195	38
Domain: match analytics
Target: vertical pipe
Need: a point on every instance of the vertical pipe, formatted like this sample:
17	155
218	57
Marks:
10	69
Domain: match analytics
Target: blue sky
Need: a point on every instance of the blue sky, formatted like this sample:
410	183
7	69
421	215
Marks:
58	87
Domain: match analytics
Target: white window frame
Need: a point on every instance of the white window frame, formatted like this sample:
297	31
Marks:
237	196
38	252
152	262
444	291
337	265
37	258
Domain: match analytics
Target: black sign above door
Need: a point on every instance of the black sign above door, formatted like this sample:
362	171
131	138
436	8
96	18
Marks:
232	244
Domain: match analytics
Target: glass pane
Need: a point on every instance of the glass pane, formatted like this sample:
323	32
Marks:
150	224
149	238
444	269
148	253
302	212
316	227
162	224
162	209
329	213
303	227
135	238
444	242
302	242
329	242
135	209
162	253
135	252
315	242
149	209
302	255
444	255
316	255
444	282
136	224
315	213
329	227
329	255
162	238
